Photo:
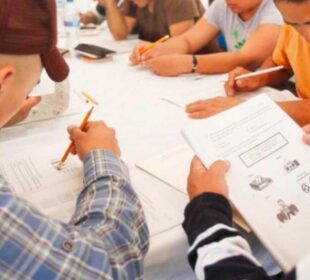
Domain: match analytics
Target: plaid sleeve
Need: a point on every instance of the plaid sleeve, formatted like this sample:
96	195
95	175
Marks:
108	205
106	238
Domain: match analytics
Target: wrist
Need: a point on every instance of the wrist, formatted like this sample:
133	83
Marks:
194	63
110	5
102	163
205	211
187	64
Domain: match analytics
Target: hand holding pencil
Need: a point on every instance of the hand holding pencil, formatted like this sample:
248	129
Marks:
71	146
143	47
90	136
153	45
241	80
97	136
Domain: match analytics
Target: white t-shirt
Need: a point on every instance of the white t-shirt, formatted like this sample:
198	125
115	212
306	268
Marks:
235	30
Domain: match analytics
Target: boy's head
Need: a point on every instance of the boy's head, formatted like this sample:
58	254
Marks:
297	14
28	37
245	6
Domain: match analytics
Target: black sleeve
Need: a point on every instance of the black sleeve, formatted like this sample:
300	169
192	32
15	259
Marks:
218	252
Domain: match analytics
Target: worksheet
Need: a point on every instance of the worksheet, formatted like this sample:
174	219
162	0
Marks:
269	178
29	165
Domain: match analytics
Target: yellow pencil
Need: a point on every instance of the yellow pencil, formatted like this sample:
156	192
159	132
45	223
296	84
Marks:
82	127
89	98
151	46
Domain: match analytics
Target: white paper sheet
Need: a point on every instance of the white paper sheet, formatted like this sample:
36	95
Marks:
171	167
28	165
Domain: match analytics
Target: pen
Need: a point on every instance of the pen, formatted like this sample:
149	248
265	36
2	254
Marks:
82	127
89	98
172	102
260	72
151	46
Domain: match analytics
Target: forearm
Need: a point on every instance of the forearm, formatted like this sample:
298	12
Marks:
175	45
215	244
298	110
116	21
108	203
223	62
275	78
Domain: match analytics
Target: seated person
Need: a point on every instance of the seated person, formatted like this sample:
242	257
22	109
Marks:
248	26
18	81
294	39
208	225
153	18
95	17
107	236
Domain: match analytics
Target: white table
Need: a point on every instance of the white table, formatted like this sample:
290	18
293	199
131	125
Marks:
130	102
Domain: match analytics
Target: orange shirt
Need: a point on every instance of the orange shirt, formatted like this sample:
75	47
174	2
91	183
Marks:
293	52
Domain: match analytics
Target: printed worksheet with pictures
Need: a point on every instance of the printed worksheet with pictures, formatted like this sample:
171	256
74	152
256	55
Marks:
269	178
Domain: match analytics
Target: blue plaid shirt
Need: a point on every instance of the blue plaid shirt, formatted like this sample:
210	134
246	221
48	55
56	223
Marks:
106	238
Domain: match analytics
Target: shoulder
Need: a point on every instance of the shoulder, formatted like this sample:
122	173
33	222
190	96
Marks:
289	38
218	7
217	10
287	34
268	13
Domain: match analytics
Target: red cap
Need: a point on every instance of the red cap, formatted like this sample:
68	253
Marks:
30	27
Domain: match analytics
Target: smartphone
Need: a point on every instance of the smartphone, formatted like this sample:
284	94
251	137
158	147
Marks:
92	51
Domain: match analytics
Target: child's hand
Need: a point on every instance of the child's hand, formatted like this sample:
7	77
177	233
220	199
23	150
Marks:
97	136
209	107
201	180
136	57
232	86
169	65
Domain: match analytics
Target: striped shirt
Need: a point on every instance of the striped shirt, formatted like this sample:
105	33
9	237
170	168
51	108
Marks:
217	251
106	238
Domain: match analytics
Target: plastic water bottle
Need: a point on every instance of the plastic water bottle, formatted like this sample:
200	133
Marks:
60	16
72	24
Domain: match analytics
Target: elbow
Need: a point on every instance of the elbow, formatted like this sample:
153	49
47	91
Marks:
249	62
118	36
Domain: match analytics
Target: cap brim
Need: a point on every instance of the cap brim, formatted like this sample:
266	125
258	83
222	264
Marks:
55	65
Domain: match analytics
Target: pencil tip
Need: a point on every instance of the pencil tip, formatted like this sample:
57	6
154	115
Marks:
59	165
